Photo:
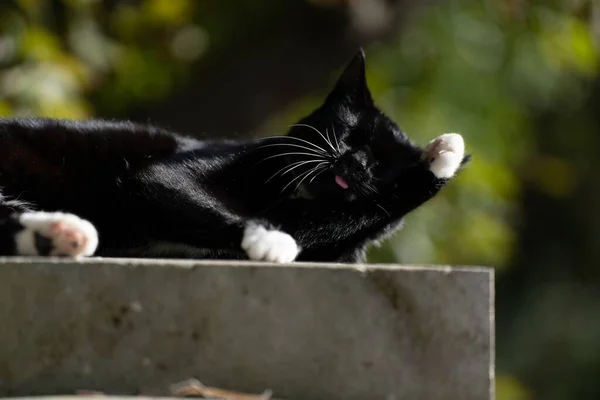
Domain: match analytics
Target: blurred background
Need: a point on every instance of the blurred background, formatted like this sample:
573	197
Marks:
519	79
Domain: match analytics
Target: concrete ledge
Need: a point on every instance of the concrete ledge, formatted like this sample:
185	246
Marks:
305	331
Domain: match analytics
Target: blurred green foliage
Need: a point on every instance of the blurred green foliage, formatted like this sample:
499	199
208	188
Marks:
55	56
481	68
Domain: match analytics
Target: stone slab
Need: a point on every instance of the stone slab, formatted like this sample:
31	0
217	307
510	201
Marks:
305	331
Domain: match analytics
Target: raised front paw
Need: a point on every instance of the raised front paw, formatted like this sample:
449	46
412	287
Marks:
269	245
445	154
55	234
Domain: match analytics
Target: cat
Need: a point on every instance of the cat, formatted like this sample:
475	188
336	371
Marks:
342	178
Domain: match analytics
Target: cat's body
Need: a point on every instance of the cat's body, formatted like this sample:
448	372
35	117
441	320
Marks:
343	177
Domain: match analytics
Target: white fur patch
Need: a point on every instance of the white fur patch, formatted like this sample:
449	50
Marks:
445	153
70	235
274	246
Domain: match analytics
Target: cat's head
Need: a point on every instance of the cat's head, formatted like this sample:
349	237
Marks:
347	148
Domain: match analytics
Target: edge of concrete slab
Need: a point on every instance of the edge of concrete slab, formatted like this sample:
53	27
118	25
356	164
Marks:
375	271
191	263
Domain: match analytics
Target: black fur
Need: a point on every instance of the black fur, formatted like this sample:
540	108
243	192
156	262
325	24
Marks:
151	193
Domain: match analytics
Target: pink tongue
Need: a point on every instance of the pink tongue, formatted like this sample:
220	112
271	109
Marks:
341	182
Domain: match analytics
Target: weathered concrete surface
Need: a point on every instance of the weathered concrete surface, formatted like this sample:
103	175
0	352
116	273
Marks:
308	332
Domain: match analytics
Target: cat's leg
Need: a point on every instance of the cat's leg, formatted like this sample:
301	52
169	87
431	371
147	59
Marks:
55	234
35	233
222	234
261	242
445	155
442	158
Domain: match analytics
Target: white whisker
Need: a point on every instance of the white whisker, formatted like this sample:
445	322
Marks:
316	130
328	138
294	180
325	168
388	214
292	166
307	162
337	144
319	170
293	153
294	145
285	167
302	140
305	176
321	165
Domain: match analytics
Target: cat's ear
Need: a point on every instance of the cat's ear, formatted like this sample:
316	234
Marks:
351	87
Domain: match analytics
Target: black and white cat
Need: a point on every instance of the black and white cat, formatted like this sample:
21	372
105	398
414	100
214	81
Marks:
343	177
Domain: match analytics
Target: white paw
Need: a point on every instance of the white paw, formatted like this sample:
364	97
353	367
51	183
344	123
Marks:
445	154
263	245
61	234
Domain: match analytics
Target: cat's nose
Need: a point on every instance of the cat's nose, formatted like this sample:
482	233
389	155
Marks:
351	162
358	161
353	166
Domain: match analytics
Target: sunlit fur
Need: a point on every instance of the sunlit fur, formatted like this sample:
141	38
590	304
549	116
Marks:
343	177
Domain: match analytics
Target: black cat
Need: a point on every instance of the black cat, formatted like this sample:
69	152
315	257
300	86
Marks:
343	177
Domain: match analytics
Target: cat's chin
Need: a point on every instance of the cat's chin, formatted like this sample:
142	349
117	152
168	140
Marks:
331	192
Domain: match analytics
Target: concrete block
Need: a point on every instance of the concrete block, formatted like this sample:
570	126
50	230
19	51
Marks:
305	331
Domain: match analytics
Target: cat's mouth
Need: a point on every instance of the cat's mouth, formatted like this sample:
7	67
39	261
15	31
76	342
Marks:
341	182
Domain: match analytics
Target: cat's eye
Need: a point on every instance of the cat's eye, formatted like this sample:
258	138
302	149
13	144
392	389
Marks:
359	138
371	159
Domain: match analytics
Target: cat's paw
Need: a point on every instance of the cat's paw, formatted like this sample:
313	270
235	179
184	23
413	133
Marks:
55	234
445	154
269	245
